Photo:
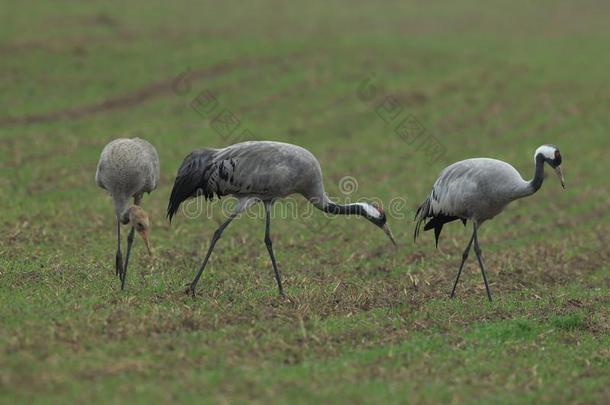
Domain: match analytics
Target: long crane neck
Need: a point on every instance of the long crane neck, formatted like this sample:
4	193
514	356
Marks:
369	211
321	201
535	184
347	209
325	204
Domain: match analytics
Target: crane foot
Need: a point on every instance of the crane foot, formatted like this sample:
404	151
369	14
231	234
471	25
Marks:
190	290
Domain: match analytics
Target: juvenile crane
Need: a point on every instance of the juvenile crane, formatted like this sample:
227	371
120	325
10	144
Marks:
478	190
127	169
259	171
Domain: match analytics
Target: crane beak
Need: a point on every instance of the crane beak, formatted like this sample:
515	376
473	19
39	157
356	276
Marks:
388	232
146	240
560	175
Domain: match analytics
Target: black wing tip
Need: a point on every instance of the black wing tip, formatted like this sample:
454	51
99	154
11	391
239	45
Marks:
192	178
420	216
437	222
175	199
437	233
170	214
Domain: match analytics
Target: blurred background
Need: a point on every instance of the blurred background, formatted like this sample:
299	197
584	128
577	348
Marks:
387	93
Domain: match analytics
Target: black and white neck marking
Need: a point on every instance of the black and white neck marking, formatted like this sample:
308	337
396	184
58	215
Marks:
366	210
545	153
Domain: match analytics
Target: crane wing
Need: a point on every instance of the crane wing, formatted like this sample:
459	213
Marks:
258	169
209	172
446	202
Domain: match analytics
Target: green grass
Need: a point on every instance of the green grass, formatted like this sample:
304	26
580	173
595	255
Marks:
363	322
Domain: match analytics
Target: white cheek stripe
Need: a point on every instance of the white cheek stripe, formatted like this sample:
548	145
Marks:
370	210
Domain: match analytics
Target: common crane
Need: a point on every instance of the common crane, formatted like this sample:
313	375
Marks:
128	168
478	190
259	171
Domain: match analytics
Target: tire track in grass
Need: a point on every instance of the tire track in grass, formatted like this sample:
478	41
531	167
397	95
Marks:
143	94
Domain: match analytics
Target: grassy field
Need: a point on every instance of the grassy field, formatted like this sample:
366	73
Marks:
362	322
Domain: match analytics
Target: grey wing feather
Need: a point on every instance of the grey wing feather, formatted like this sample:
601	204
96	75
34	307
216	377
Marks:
224	178
267	169
475	189
446	201
258	169
153	166
128	166
204	173
452	190
98	175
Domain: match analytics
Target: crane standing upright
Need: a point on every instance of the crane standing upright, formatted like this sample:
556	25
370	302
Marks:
259	171
127	169
478	190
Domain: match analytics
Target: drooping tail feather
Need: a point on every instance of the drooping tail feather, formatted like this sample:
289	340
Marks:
192	179
423	212
438	220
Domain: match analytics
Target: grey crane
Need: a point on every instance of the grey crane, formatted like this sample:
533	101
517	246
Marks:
259	171
478	190
127	169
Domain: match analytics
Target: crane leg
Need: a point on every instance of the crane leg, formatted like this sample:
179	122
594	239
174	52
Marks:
269	245
136	200
119	256
129	244
477	250
215	237
464	257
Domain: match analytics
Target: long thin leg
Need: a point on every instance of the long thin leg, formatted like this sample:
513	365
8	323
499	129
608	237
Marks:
129	243
215	237
270	247
477	250
464	257
136	200
119	256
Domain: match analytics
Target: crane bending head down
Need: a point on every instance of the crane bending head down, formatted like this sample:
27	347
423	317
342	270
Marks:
140	221
372	212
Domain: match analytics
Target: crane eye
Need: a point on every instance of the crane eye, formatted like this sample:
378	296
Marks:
557	155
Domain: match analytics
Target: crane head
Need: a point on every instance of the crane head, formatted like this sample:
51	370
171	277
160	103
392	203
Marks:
552	156
375	213
140	221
